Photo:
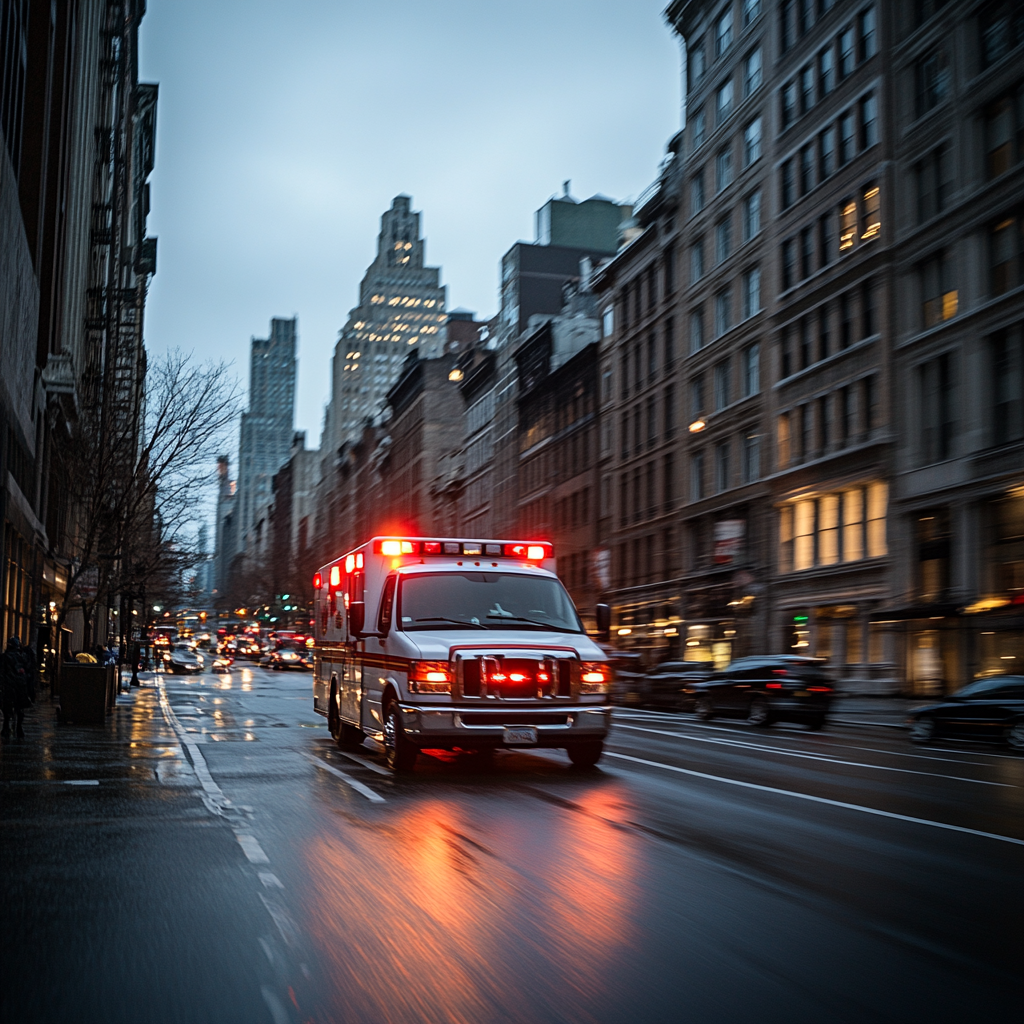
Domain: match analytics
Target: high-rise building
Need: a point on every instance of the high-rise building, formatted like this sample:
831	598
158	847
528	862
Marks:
225	540
268	425
401	305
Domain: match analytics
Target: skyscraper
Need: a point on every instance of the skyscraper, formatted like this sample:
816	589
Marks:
267	427
401	304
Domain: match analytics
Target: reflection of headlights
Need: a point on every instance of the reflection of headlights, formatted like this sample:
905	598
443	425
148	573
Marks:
289	656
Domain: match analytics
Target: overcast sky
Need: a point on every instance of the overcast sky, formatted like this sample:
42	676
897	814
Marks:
285	127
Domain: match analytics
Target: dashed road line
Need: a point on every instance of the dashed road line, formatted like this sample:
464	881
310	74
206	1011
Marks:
818	799
362	790
366	764
251	848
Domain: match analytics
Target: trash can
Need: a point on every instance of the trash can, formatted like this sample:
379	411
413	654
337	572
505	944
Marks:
85	693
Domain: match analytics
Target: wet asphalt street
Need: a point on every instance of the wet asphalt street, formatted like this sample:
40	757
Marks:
209	855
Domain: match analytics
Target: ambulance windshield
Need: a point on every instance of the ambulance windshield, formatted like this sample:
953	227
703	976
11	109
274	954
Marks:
485	600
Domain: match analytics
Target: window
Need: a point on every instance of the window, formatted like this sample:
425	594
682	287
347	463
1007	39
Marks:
751	9
787	24
697	397
870	212
670	343
826	71
788	263
696	476
806	252
853	525
722	466
697	62
824	422
667	481
806	354
1006	377
670	411
935	399
608	321
845	321
697	192
803	534
806	80
723	168
782	434
752	72
786	357
805	15
723	32
1002	28
696	331
752	142
788	196
723	102
846	55
869	303
721	378
1003	135
788	104
1004	250
806	412
939	298
751	216
868	33
828	529
696	261
878	504
751	458
932	175
670	270
823	333
750	366
806	169
826	239
652	421
751	292
931	80
786	538
846	147
847	224
826	153
868	121
723	311
723	239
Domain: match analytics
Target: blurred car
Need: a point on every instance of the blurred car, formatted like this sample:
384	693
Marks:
629	681
671	684
987	709
246	648
288	657
768	689
221	663
183	660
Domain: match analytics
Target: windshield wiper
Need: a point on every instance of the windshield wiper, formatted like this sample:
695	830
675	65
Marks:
458	622
533	622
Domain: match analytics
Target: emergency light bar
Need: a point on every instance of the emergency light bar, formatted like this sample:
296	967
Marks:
525	551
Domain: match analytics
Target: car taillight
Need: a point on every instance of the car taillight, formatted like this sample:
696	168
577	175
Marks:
773	686
595	677
430	677
820	689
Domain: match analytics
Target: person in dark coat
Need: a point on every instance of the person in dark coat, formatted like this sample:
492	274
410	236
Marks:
16	676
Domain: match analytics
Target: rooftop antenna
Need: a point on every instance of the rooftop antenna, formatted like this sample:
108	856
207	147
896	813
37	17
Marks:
565	186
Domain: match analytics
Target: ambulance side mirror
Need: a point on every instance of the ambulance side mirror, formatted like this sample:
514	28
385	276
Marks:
357	618
604	622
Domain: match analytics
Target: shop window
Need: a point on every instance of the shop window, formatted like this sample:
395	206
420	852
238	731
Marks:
876	643
823	640
854	642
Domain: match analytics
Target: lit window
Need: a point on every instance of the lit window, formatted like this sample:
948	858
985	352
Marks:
847	225
871	222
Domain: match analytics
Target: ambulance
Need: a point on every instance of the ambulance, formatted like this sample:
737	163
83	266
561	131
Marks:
426	643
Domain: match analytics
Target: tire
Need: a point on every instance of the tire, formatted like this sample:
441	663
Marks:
817	723
349	737
1015	736
757	713
704	706
923	730
399	753
585	755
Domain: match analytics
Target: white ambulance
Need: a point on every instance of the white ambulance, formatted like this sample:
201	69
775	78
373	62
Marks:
425	643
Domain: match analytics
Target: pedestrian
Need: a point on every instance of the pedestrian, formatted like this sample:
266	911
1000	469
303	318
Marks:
18	691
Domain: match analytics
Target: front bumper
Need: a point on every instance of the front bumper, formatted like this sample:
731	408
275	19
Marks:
476	726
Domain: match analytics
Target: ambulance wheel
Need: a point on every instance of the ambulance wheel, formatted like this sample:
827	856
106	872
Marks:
399	753
349	737
585	755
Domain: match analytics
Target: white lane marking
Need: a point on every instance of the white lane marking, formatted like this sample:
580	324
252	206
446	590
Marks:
81	782
270	880
818	799
215	800
366	764
277	1011
252	849
812	757
348	780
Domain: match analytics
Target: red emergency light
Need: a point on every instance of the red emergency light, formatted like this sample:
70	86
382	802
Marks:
318	581
394	547
335	577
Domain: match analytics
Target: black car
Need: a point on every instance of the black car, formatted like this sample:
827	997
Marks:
629	681
768	689
671	684
987	709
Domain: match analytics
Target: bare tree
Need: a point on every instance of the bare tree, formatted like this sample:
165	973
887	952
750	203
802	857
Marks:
135	480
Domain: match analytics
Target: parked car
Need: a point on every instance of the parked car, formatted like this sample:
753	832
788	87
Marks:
671	684
768	689
183	660
629	681
987	709
288	657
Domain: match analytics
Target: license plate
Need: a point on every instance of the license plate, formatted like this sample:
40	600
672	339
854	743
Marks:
520	735
800	693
